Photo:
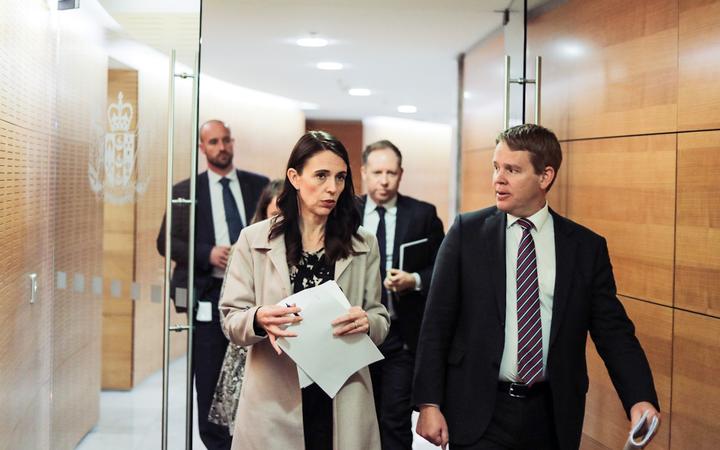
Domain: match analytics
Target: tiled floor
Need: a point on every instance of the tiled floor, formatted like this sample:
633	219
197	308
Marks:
131	420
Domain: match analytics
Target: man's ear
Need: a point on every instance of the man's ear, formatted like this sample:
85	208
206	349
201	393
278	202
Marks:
547	177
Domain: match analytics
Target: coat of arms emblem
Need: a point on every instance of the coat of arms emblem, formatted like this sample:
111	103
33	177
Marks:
113	171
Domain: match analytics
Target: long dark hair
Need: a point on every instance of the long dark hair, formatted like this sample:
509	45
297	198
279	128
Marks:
344	220
271	191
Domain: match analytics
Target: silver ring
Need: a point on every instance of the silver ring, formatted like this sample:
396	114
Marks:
356	323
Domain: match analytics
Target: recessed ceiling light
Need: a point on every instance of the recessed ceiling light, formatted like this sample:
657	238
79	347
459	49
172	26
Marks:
327	65
312	42
408	109
359	92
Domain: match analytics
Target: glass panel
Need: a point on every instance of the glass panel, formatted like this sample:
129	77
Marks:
515	29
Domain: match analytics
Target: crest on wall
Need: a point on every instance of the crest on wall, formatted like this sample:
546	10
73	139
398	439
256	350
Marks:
113	169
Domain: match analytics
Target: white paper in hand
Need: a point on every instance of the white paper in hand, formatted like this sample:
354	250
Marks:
641	433
325	359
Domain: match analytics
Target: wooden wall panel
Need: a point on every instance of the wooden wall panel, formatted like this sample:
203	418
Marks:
624	189
605	420
477	190
609	67
697	270
119	259
350	133
698	65
696	393
25	329
482	115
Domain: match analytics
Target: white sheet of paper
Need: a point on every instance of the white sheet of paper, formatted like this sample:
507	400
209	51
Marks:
304	378
641	433
325	359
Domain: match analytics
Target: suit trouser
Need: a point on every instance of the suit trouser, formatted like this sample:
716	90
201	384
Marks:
392	386
518	424
209	346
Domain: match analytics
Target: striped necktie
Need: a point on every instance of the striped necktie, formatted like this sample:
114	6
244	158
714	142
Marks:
530	352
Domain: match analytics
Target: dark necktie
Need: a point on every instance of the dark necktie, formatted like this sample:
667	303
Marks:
530	351
232	215
381	237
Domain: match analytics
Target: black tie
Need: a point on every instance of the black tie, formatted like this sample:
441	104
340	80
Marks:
232	215
383	252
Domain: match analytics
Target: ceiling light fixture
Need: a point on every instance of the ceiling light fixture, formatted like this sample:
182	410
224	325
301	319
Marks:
312	41
359	92
327	65
407	109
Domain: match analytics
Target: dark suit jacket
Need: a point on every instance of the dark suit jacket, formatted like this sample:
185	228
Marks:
251	186
415	220
463	334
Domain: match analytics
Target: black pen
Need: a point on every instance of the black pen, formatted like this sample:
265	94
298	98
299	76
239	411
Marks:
295	314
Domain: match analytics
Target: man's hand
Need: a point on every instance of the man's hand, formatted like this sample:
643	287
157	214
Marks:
219	256
432	426
399	281
639	408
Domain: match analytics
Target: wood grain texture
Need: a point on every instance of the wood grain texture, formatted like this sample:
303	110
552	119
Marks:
696	393
624	189
609	67
605	420
482	115
697	263
699	65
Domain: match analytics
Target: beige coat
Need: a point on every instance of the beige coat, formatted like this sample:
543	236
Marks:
269	413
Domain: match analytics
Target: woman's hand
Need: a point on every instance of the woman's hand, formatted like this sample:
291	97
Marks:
272	319
355	321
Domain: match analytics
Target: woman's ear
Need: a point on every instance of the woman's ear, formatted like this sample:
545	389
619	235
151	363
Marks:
293	176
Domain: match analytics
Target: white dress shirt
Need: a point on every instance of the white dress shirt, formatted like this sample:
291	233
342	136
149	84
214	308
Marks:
222	235
544	237
371	220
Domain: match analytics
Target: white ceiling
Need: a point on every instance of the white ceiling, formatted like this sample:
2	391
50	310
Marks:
403	50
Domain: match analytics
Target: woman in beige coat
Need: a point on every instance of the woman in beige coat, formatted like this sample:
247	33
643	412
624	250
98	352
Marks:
317	237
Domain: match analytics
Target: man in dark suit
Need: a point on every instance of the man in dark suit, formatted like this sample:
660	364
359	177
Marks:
397	219
226	201
501	358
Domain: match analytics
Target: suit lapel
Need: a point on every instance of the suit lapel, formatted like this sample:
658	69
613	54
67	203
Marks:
203	213
402	222
247	197
494	236
565	248
359	247
276	253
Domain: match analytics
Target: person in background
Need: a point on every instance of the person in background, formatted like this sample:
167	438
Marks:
316	238
397	219
227	391
226	199
516	291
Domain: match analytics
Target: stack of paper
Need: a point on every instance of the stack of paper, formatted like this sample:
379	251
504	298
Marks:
641	433
321	357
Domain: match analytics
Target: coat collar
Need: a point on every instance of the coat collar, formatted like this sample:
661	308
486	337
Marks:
277	253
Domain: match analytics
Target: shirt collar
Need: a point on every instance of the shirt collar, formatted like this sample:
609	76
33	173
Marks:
538	219
215	178
390	205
